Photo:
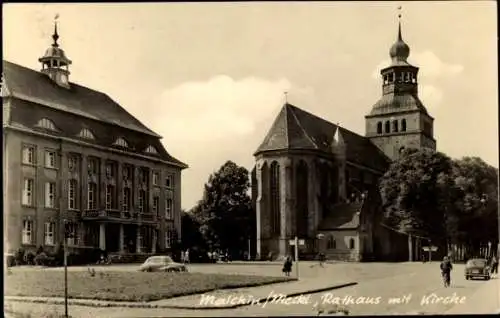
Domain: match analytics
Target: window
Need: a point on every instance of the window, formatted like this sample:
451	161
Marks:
403	125
275	198
142	201
72	194
29	155
49	233
156	204
143	175
46	124
407	77
387	127
28	192
169	181
50	194
110	193
72	162
91	196
86	134
121	142
156	178
27	234
50	159
71	230
379	127
169	206
395	126
110	170
151	149
331	244
93	165
352	244
127	172
126	199
169	237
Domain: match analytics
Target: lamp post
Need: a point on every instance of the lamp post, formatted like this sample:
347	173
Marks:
65	249
320	236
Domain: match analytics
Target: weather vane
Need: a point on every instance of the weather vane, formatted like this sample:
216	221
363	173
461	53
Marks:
399	12
286	97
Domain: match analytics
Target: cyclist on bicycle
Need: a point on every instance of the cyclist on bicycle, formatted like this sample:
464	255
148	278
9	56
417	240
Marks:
446	268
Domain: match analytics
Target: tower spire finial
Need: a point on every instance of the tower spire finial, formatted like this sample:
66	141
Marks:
55	36
286	97
400	38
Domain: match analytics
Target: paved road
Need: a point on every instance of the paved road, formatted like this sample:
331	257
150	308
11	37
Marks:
418	282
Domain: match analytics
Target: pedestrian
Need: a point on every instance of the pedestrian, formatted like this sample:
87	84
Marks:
287	266
183	257
321	259
186	256
494	265
446	268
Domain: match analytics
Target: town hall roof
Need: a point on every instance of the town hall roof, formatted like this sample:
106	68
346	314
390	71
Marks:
296	129
29	85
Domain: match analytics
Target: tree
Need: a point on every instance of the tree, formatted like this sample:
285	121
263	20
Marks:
475	202
225	214
191	235
415	194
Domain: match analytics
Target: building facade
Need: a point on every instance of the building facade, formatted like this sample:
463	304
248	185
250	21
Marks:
318	181
77	162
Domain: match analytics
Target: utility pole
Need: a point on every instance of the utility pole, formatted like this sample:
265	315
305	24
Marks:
65	270
65	229
297	255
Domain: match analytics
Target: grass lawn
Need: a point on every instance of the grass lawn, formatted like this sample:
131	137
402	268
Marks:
125	286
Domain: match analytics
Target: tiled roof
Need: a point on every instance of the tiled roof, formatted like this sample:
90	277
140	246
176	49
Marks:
391	103
342	216
27	84
295	128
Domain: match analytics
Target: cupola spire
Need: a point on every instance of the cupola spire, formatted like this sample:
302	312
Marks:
55	36
400	50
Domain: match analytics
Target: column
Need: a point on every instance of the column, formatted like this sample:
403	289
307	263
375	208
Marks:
155	238
102	184
285	204
122	239
119	187
102	236
259	205
83	183
138	244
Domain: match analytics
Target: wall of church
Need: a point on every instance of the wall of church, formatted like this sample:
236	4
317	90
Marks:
341	245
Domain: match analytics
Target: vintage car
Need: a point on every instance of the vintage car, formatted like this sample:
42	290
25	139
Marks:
477	267
162	264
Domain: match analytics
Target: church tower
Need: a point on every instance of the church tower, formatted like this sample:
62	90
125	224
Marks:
55	64
399	119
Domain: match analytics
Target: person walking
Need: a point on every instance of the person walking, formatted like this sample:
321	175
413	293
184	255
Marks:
186	256
287	266
494	265
446	268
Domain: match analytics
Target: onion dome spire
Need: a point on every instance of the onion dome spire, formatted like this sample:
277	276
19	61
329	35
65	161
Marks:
400	50
55	36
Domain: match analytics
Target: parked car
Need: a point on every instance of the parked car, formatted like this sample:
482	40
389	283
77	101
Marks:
162	264
477	267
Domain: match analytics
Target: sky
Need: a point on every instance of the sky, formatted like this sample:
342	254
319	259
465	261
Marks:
210	77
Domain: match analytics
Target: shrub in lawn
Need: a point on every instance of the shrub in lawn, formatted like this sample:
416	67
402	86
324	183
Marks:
29	258
59	255
41	259
19	256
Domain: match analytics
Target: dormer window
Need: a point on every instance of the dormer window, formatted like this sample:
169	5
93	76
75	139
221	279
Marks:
46	124
152	150
121	142
86	134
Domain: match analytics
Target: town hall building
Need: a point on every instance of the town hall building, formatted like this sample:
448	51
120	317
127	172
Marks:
76	162
318	181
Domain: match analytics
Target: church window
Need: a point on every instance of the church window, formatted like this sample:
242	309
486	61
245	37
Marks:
352	244
387	127
275	198
379	127
403	125
152	150
407	77
47	124
331	244
413	78
392	78
402	77
302	198
395	126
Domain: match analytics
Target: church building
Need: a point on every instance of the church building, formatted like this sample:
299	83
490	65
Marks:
318	181
76	162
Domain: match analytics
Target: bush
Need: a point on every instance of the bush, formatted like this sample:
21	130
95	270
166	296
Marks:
11	260
41	259
29	258
19	257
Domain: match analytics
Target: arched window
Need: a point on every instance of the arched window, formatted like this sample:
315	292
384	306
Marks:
379	127
275	198
121	142
395	126
403	125
86	133
302	198
331	243
46	124
387	127
352	244
151	149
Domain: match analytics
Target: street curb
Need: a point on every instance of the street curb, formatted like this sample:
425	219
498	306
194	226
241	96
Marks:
80	302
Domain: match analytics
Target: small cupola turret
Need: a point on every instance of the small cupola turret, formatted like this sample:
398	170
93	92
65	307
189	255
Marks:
55	64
